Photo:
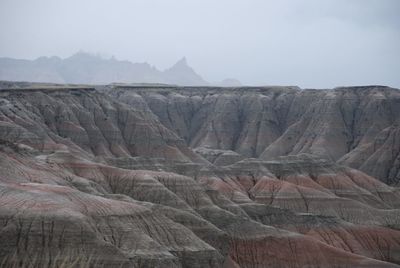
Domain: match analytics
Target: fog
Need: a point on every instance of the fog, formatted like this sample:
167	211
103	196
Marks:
310	43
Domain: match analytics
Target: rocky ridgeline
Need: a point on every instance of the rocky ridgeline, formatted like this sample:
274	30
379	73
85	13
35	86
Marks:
161	176
356	126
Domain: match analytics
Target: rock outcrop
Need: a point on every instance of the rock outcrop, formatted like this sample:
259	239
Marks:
357	126
198	177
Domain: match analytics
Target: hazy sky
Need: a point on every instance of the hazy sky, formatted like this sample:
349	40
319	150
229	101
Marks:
310	43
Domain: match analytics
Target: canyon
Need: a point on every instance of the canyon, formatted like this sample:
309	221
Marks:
154	175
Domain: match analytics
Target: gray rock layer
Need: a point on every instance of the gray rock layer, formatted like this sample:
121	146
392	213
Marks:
161	177
357	126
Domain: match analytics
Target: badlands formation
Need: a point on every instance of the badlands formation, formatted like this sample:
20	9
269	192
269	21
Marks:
166	176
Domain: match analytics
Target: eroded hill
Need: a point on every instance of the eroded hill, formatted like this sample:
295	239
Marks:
356	126
199	177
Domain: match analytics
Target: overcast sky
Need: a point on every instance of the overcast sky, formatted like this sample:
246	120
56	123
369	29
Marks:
310	43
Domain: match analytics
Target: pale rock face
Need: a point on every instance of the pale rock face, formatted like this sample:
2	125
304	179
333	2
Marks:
93	122
339	124
380	157
199	177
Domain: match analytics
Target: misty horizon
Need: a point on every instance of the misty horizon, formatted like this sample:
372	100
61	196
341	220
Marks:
311	44
102	56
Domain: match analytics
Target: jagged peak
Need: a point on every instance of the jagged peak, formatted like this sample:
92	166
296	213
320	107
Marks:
181	64
182	61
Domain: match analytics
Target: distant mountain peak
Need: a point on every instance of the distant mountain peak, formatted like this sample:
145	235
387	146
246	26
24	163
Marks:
182	61
93	68
180	65
230	82
181	73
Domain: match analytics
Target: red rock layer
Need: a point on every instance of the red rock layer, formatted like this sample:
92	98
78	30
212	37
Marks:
64	201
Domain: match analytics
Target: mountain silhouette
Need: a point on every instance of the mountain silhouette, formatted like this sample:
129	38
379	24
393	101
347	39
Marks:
86	68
